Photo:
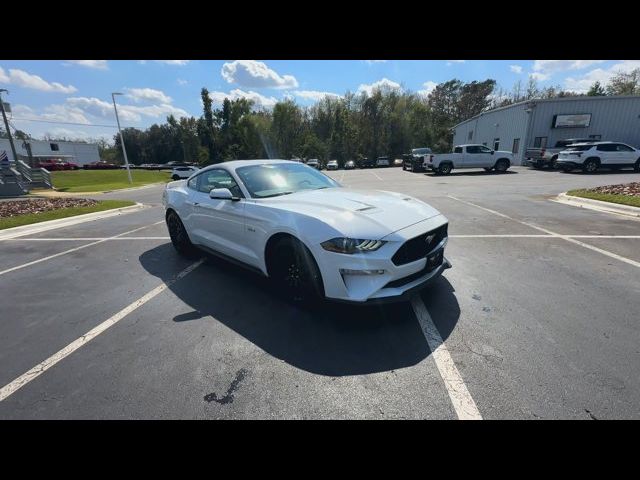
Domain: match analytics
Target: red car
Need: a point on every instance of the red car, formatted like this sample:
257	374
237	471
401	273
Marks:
100	166
54	165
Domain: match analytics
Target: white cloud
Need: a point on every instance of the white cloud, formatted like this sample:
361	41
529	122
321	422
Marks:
314	95
180	63
254	74
539	76
549	67
148	95
182	81
451	62
428	88
384	84
97	64
128	113
28	80
583	83
259	100
371	62
516	68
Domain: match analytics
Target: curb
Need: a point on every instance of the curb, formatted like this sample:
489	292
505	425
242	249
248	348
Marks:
598	205
23	230
56	193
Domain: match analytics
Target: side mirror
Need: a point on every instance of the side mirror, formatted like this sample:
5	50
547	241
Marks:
222	194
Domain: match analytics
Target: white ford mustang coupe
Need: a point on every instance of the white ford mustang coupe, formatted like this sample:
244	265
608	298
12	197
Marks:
311	236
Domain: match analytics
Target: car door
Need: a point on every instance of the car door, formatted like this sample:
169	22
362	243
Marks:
216	223
478	156
627	155
608	153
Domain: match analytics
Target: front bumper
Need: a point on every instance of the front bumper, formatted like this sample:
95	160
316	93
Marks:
388	282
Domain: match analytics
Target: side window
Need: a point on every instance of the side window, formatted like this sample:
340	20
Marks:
540	142
484	150
624	148
473	149
606	147
218	179
193	183
457	150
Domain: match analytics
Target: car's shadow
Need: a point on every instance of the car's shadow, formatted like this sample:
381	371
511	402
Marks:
473	173
330	339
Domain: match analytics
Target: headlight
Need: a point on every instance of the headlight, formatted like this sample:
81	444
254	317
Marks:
351	245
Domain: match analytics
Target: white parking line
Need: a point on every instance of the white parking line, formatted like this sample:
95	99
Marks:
42	367
71	250
568	238
71	239
461	399
375	174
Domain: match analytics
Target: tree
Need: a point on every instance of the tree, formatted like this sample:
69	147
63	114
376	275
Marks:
625	83
206	128
596	90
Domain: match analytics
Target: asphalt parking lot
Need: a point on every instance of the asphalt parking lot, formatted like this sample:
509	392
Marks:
539	318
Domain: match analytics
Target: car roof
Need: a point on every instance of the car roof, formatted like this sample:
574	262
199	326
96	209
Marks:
234	164
594	143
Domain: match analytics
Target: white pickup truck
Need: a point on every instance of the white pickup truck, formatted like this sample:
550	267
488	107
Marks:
469	156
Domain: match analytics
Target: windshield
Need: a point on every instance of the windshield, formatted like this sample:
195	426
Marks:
270	180
420	151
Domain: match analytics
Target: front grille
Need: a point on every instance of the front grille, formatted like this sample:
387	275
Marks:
418	247
431	265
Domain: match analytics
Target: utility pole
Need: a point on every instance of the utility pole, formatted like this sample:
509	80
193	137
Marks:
124	151
6	124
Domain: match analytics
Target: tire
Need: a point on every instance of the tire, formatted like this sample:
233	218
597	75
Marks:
590	165
445	169
404	167
636	167
553	164
294	272
179	236
175	177
502	165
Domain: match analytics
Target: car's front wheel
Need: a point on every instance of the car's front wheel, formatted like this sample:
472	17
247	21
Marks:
444	169
502	165
636	167
179	236
294	271
590	165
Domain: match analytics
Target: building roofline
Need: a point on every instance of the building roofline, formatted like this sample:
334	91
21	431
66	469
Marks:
545	100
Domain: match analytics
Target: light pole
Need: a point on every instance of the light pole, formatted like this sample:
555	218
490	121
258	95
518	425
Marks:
124	150
6	124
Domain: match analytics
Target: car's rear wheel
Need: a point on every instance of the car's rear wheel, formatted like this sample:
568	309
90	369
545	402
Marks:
294	271
179	236
175	177
445	169
636	167
590	165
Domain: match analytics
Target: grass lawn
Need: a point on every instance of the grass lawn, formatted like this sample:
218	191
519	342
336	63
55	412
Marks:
632	200
27	219
101	180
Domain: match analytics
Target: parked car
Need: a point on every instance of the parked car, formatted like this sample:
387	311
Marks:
308	234
313	162
183	172
594	155
547	157
469	156
349	165
101	165
55	165
382	162
414	161
332	165
366	162
397	162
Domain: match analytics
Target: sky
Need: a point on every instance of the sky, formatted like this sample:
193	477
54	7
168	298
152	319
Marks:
72	98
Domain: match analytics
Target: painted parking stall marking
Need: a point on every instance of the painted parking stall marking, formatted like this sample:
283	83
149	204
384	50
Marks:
463	403
551	234
42	367
71	250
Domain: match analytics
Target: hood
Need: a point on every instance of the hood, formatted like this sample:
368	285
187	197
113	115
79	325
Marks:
357	213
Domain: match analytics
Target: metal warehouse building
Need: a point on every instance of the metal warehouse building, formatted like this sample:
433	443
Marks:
541	123
75	152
